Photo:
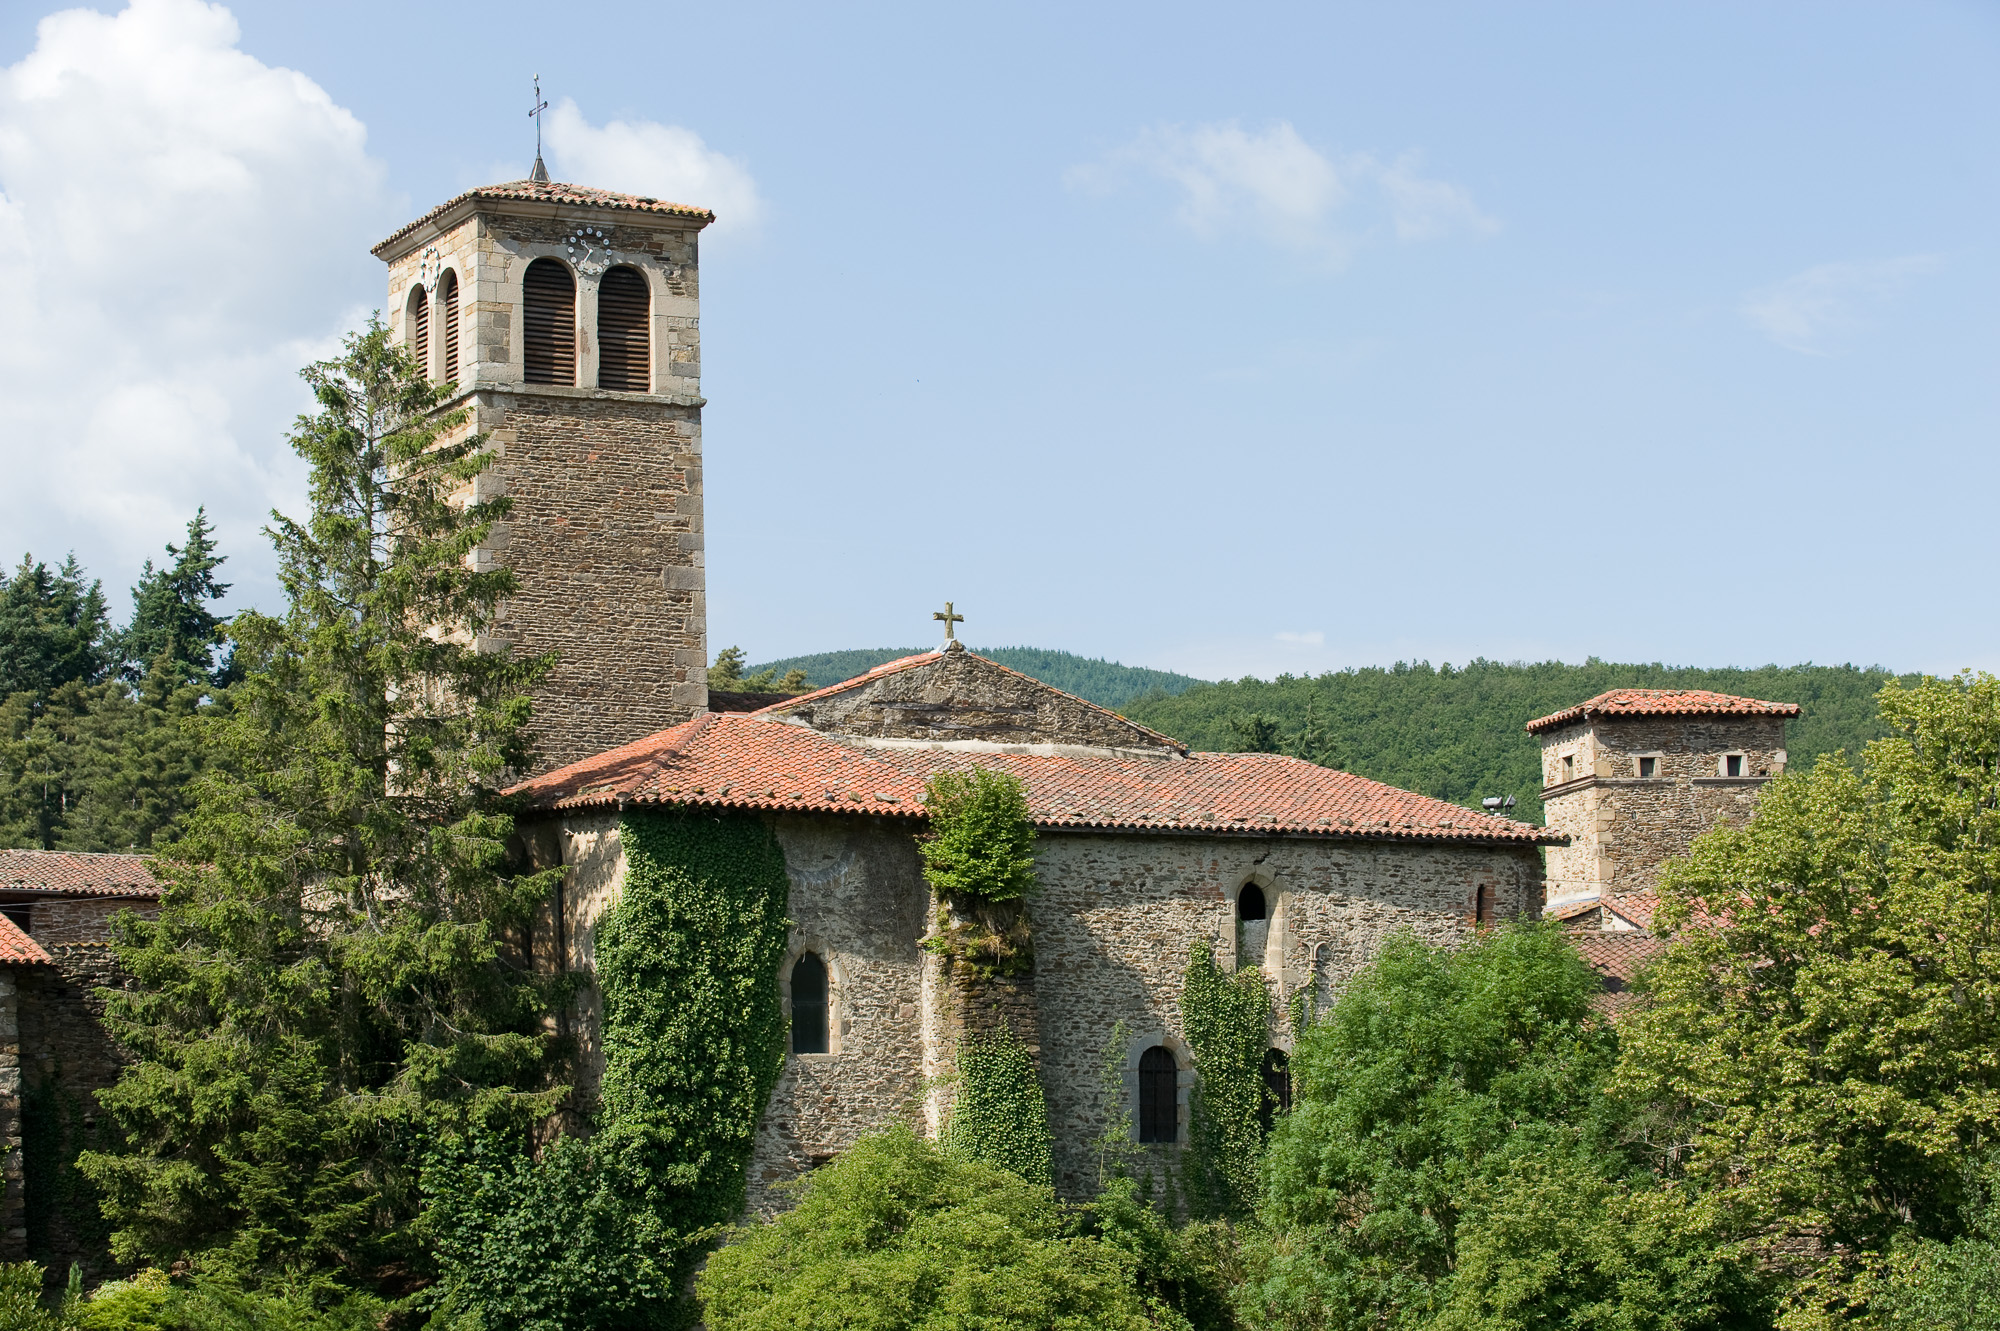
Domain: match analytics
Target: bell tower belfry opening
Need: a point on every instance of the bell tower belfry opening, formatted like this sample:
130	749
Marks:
573	334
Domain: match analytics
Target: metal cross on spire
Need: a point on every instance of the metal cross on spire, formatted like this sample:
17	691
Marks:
949	619
540	173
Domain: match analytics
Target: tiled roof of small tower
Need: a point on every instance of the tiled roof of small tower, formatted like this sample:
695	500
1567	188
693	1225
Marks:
1662	702
543	191
76	873
17	949
732	760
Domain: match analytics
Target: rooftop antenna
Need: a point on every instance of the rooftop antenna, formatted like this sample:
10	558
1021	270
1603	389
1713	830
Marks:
540	175
1497	804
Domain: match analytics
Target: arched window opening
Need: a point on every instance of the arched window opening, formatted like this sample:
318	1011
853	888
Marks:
420	328
624	341
1277	1097
1159	1081
448	301
809	1025
548	324
1253	928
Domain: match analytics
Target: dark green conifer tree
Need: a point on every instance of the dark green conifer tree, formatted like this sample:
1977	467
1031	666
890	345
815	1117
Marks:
52	628
173	623
331	978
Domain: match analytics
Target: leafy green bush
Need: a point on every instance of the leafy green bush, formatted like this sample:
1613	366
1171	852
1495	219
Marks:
1000	1115
1434	1071
897	1235
981	842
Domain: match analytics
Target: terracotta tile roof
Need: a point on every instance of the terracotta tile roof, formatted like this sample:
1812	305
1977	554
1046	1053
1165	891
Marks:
901	664
76	873
541	191
727	760
17	949
1618	957
1662	702
1635	908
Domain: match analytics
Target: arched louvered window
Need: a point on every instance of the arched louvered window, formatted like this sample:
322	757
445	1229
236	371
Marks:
420	328
624	341
1159	1078
448	307
548	318
1277	1097
808	1005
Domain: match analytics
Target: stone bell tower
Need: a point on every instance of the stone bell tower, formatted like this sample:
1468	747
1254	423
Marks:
569	318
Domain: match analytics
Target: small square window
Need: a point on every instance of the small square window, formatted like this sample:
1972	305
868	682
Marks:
1733	765
1649	768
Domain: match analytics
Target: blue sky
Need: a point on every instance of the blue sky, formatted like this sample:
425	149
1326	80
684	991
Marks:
1229	342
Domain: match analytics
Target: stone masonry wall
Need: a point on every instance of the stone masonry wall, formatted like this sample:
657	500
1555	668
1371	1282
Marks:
961	696
1113	920
1115	917
1622	827
13	1174
605	536
87	920
67	1056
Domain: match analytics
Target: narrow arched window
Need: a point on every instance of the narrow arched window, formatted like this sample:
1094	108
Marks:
624	340
808	1005
448	307
548	324
1277	1097
1250	902
420	328
1159	1078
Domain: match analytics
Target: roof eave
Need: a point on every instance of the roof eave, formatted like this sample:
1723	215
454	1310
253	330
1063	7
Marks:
453	211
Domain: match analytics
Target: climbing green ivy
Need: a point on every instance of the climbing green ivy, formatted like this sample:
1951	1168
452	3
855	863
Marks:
693	1032
1227	1019
607	1233
1000	1115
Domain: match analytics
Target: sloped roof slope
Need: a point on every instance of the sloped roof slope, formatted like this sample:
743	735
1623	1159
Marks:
758	761
17	949
556	192
76	873
1661	702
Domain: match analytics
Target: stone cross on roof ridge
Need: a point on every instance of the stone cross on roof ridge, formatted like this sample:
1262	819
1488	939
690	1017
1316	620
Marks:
950	618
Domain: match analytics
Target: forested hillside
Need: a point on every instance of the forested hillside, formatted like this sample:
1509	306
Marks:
1455	732
1105	683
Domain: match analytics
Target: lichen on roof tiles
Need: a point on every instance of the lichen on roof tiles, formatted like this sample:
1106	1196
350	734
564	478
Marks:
1616	703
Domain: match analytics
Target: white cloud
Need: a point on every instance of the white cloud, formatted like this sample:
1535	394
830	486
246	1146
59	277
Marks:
1275	185
181	227
1810	310
1314	638
646	157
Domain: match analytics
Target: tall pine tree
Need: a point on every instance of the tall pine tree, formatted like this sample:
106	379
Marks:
330	980
174	627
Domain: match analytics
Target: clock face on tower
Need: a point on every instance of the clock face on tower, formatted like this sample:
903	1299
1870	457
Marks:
589	250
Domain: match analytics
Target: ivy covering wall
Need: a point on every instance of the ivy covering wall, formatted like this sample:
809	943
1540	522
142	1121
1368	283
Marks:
1227	1019
1000	1115
605	1233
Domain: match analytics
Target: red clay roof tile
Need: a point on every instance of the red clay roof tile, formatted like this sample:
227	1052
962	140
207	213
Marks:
1662	702
543	191
17	949
729	760
76	873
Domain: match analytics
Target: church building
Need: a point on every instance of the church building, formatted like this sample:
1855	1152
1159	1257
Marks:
569	319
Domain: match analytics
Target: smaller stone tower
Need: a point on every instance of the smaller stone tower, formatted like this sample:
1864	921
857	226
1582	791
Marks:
569	319
1633	776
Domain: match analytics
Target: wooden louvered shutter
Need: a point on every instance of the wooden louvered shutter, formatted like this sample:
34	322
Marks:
548	310
420	333
624	346
448	297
